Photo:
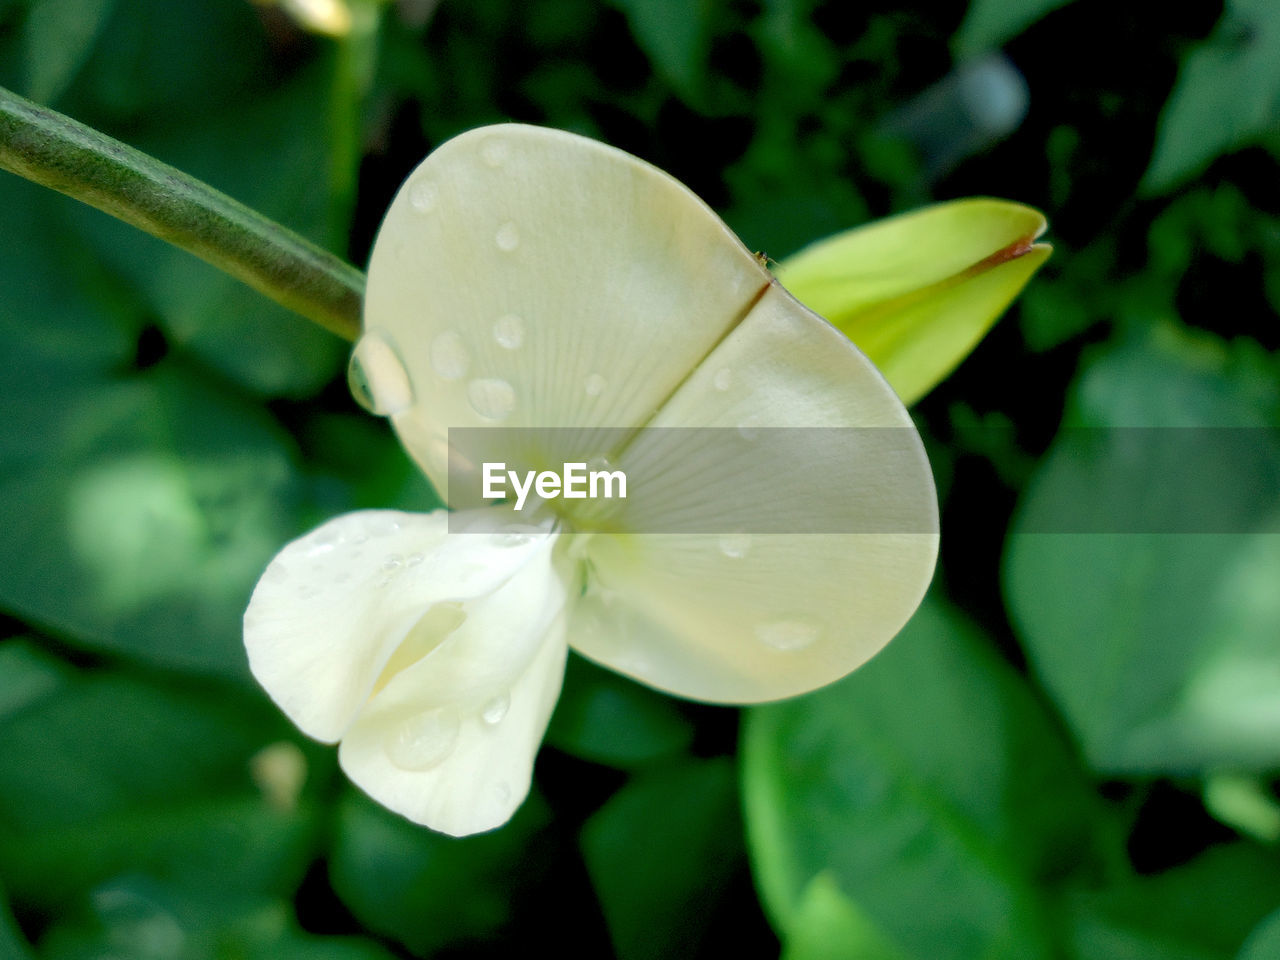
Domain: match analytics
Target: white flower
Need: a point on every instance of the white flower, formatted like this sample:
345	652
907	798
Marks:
531	279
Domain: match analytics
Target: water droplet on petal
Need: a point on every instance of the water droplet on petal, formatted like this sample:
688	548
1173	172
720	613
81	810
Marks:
393	562
383	526
377	377
327	537
723	379
502	792
595	385
508	330
495	152
507	237
493	711
423	196
449	357
735	545
788	634
493	399
512	539
424	740
414	560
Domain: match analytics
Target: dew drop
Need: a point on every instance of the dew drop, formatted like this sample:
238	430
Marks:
512	539
502	792
508	330
495	152
790	634
424	740
329	537
383	526
633	662
507	237
595	385
723	379
393	562
414	560
493	399
449	357
377	377
493	711
735	545
423	196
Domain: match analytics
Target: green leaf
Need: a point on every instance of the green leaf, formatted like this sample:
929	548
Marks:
1158	645
676	37
141	505
1227	95
829	926
158	58
917	292
27	676
59	35
1199	911
929	787
1264	942
270	154
424	889
660	853
989	24
607	719
116	775
144	920
1245	804
13	945
144	517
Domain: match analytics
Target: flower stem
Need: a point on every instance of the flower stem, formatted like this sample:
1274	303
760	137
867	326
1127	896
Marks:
53	150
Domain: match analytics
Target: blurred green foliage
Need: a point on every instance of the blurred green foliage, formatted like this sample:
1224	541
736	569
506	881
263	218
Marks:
1071	752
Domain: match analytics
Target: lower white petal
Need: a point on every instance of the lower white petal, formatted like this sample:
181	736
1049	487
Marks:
335	606
450	740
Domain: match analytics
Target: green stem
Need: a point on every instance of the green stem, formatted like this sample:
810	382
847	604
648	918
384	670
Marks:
57	152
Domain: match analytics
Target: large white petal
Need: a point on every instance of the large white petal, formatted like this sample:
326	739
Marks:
449	742
334	606
533	278
732	615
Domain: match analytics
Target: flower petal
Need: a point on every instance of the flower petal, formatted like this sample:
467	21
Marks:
741	617
334	606
917	292
535	278
449	742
